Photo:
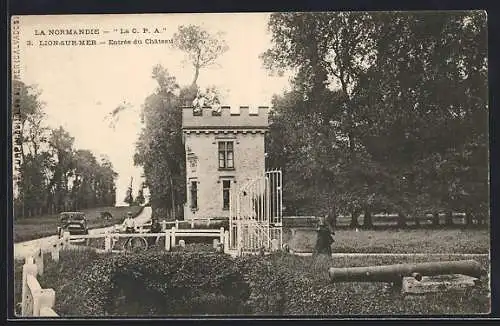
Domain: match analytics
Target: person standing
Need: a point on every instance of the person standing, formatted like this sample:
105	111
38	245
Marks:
324	239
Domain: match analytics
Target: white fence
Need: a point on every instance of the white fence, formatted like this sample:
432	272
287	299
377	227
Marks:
39	302
171	236
35	300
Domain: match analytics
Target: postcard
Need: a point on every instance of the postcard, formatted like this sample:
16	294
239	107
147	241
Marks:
274	164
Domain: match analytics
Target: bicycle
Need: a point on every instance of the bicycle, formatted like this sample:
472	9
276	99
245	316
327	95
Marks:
132	243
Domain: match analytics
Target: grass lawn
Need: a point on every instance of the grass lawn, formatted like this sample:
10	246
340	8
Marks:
440	241
313	293
46	225
474	241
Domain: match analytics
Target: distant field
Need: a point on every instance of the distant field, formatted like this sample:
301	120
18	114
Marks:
380	221
396	241
46	225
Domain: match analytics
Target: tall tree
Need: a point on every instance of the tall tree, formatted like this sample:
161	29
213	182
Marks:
390	72
139	199
160	150
61	149
328	50
30	136
425	102
201	48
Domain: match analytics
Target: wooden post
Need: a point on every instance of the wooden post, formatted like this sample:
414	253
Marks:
176	224
55	252
275	245
29	268
226	242
164	225
172	235
167	240
192	224
221	236
107	242
66	239
43	298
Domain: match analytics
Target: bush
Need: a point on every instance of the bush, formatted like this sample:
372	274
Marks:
188	283
162	283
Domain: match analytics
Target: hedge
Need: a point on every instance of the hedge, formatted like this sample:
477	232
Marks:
159	283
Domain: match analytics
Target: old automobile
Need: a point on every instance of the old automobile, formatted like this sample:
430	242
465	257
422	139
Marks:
73	222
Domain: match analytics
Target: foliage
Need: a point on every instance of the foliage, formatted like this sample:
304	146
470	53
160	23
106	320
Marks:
387	112
201	48
155	283
129	198
139	199
159	149
53	175
168	284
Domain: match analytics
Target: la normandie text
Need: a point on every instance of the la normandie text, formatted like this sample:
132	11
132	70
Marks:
69	31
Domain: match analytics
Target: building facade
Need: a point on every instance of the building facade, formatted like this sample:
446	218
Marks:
223	150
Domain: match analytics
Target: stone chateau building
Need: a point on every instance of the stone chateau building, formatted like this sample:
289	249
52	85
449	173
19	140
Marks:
224	149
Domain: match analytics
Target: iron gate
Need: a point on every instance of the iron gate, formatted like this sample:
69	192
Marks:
255	221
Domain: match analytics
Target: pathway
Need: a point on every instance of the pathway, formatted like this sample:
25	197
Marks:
22	249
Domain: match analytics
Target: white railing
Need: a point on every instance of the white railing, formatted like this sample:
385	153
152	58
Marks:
36	301
171	236
192	222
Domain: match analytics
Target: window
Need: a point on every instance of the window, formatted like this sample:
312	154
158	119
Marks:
226	159
194	194
226	186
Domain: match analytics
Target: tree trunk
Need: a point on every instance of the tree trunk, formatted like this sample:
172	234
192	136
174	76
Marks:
401	220
367	219
196	74
468	218
333	218
354	219
449	218
417	220
435	219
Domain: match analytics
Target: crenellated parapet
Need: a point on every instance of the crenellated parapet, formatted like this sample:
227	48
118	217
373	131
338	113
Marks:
240	118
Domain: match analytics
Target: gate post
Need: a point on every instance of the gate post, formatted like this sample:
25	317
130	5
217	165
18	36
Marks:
29	268
167	240
172	236
107	242
226	242
55	252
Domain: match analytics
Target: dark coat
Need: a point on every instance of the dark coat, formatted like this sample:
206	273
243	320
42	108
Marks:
324	241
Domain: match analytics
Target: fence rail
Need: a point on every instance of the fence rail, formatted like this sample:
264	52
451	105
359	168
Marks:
171	236
37	301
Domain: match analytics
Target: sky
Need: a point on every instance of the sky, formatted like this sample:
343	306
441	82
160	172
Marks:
81	85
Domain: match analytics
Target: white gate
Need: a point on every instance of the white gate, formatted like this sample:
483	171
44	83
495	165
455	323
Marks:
255	221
